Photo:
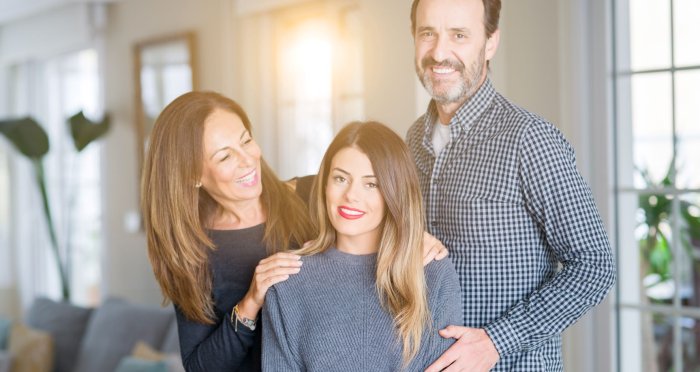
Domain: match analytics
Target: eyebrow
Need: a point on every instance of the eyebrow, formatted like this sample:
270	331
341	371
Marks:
229	147
462	30
453	29
348	173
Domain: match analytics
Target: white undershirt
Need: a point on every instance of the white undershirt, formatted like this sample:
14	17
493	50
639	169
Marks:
441	137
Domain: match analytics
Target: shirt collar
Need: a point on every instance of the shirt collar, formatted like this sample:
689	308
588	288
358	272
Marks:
466	115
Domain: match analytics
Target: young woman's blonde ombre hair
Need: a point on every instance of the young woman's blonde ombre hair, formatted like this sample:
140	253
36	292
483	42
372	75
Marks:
400	275
176	214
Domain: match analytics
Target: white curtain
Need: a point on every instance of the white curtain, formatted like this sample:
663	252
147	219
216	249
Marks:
50	91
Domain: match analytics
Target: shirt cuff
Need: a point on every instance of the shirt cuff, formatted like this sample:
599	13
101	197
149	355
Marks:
504	337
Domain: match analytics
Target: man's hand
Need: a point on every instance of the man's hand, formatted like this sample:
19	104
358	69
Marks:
432	249
473	351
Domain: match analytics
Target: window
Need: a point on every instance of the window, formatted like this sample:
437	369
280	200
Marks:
657	81
319	89
51	91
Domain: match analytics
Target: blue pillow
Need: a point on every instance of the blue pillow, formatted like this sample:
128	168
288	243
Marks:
133	364
5	325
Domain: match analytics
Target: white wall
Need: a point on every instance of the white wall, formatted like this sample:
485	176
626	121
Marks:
390	83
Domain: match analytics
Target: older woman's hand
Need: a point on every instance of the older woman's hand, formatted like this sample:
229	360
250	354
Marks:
432	249
271	270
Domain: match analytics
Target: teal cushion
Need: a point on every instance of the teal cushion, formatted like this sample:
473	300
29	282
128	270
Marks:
132	364
5	325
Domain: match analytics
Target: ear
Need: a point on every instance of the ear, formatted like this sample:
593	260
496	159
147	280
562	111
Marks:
492	44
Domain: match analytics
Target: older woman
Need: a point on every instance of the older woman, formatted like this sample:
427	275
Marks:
211	226
364	301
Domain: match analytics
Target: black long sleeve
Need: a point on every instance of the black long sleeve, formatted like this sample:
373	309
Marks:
219	347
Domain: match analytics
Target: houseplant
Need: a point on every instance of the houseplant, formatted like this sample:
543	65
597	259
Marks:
30	139
656	212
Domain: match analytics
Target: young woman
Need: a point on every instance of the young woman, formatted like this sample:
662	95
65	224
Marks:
363	301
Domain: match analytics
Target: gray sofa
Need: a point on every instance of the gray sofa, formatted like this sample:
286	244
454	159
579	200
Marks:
89	340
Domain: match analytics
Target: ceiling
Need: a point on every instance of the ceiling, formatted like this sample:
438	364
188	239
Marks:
11	10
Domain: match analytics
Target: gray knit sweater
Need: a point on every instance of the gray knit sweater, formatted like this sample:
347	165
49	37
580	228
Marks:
328	317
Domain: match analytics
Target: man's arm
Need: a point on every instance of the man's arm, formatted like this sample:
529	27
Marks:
560	202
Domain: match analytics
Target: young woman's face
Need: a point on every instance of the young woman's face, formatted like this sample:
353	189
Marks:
231	171
355	205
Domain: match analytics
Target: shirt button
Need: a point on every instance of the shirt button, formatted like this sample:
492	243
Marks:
433	223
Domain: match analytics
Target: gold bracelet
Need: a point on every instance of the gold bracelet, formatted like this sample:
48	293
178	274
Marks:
248	323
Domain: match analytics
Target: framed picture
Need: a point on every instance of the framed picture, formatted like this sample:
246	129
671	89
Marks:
164	68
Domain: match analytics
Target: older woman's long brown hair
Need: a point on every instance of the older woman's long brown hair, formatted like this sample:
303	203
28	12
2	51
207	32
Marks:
176	213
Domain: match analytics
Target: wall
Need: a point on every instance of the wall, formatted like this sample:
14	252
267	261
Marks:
530	39
390	82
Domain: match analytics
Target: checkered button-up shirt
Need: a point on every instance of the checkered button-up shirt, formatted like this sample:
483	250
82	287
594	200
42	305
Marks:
505	197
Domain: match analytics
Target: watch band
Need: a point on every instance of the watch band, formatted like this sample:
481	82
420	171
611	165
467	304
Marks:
237	318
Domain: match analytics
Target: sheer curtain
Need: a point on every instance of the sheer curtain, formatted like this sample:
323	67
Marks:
50	91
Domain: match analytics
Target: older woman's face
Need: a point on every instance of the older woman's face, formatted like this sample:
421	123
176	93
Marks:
231	171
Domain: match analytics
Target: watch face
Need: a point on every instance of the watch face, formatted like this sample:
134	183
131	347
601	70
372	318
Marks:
248	323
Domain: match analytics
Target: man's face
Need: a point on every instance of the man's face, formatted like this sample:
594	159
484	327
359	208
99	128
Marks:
451	48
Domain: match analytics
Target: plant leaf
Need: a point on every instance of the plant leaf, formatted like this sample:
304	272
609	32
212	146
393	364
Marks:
660	257
27	136
84	131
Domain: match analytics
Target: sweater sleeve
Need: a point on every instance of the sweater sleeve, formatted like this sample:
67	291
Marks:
215	347
446	307
277	354
561	203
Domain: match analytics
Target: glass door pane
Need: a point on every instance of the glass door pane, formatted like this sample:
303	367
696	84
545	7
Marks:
650	34
652	127
687	108
686	33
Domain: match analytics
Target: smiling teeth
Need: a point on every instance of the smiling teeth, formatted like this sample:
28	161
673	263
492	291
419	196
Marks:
247	179
351	213
442	70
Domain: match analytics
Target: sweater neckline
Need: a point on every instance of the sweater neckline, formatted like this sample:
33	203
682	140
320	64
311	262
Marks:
351	259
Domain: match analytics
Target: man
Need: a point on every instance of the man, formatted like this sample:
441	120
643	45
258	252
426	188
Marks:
503	194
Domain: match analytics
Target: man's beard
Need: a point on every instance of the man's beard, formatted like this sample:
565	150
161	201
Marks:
458	91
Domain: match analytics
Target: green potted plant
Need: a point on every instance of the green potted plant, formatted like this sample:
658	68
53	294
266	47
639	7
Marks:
30	139
657	257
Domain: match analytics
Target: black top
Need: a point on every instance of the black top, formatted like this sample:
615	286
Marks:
219	347
303	188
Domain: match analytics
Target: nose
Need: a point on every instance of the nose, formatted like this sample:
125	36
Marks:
351	192
440	50
246	159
